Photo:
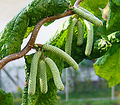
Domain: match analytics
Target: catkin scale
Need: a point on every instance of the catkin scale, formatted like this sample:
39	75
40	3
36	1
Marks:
68	44
61	54
93	19
43	77
90	36
55	73
33	73
80	33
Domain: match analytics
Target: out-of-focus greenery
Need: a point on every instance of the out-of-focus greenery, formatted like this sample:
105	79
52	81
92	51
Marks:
18	101
5	98
90	89
89	102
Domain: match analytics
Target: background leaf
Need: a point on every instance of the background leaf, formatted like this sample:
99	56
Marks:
108	66
114	17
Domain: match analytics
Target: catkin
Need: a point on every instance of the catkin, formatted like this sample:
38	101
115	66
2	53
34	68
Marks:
90	36
80	33
33	73
43	77
55	73
93	19
61	54
68	44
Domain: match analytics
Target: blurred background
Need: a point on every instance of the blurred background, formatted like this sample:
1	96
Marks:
81	88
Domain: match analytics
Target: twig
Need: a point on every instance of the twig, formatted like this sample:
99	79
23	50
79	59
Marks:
31	42
10	77
38	46
77	3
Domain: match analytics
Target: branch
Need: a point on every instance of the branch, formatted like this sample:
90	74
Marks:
31	42
77	3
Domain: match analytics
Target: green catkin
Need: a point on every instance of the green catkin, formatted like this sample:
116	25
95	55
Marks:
85	10
90	36
33	73
68	44
80	33
93	19
61	54
55	73
43	77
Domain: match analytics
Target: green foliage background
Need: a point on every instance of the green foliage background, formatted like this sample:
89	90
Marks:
5	98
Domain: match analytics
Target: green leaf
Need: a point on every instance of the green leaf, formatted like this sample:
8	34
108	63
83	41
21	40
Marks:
94	5
28	31
23	23
60	35
108	66
48	23
114	17
72	2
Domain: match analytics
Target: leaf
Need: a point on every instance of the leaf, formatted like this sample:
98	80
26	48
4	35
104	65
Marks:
94	5
58	38
29	30
48	23
23	23
108	66
13	34
72	2
114	17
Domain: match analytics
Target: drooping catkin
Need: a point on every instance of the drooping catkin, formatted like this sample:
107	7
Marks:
90	36
80	33
68	44
33	73
85	15
43	77
61	54
55	73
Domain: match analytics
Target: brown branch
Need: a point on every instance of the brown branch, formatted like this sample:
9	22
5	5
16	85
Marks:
77	3
31	42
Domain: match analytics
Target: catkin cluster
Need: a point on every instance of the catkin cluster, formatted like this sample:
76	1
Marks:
40	64
88	18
